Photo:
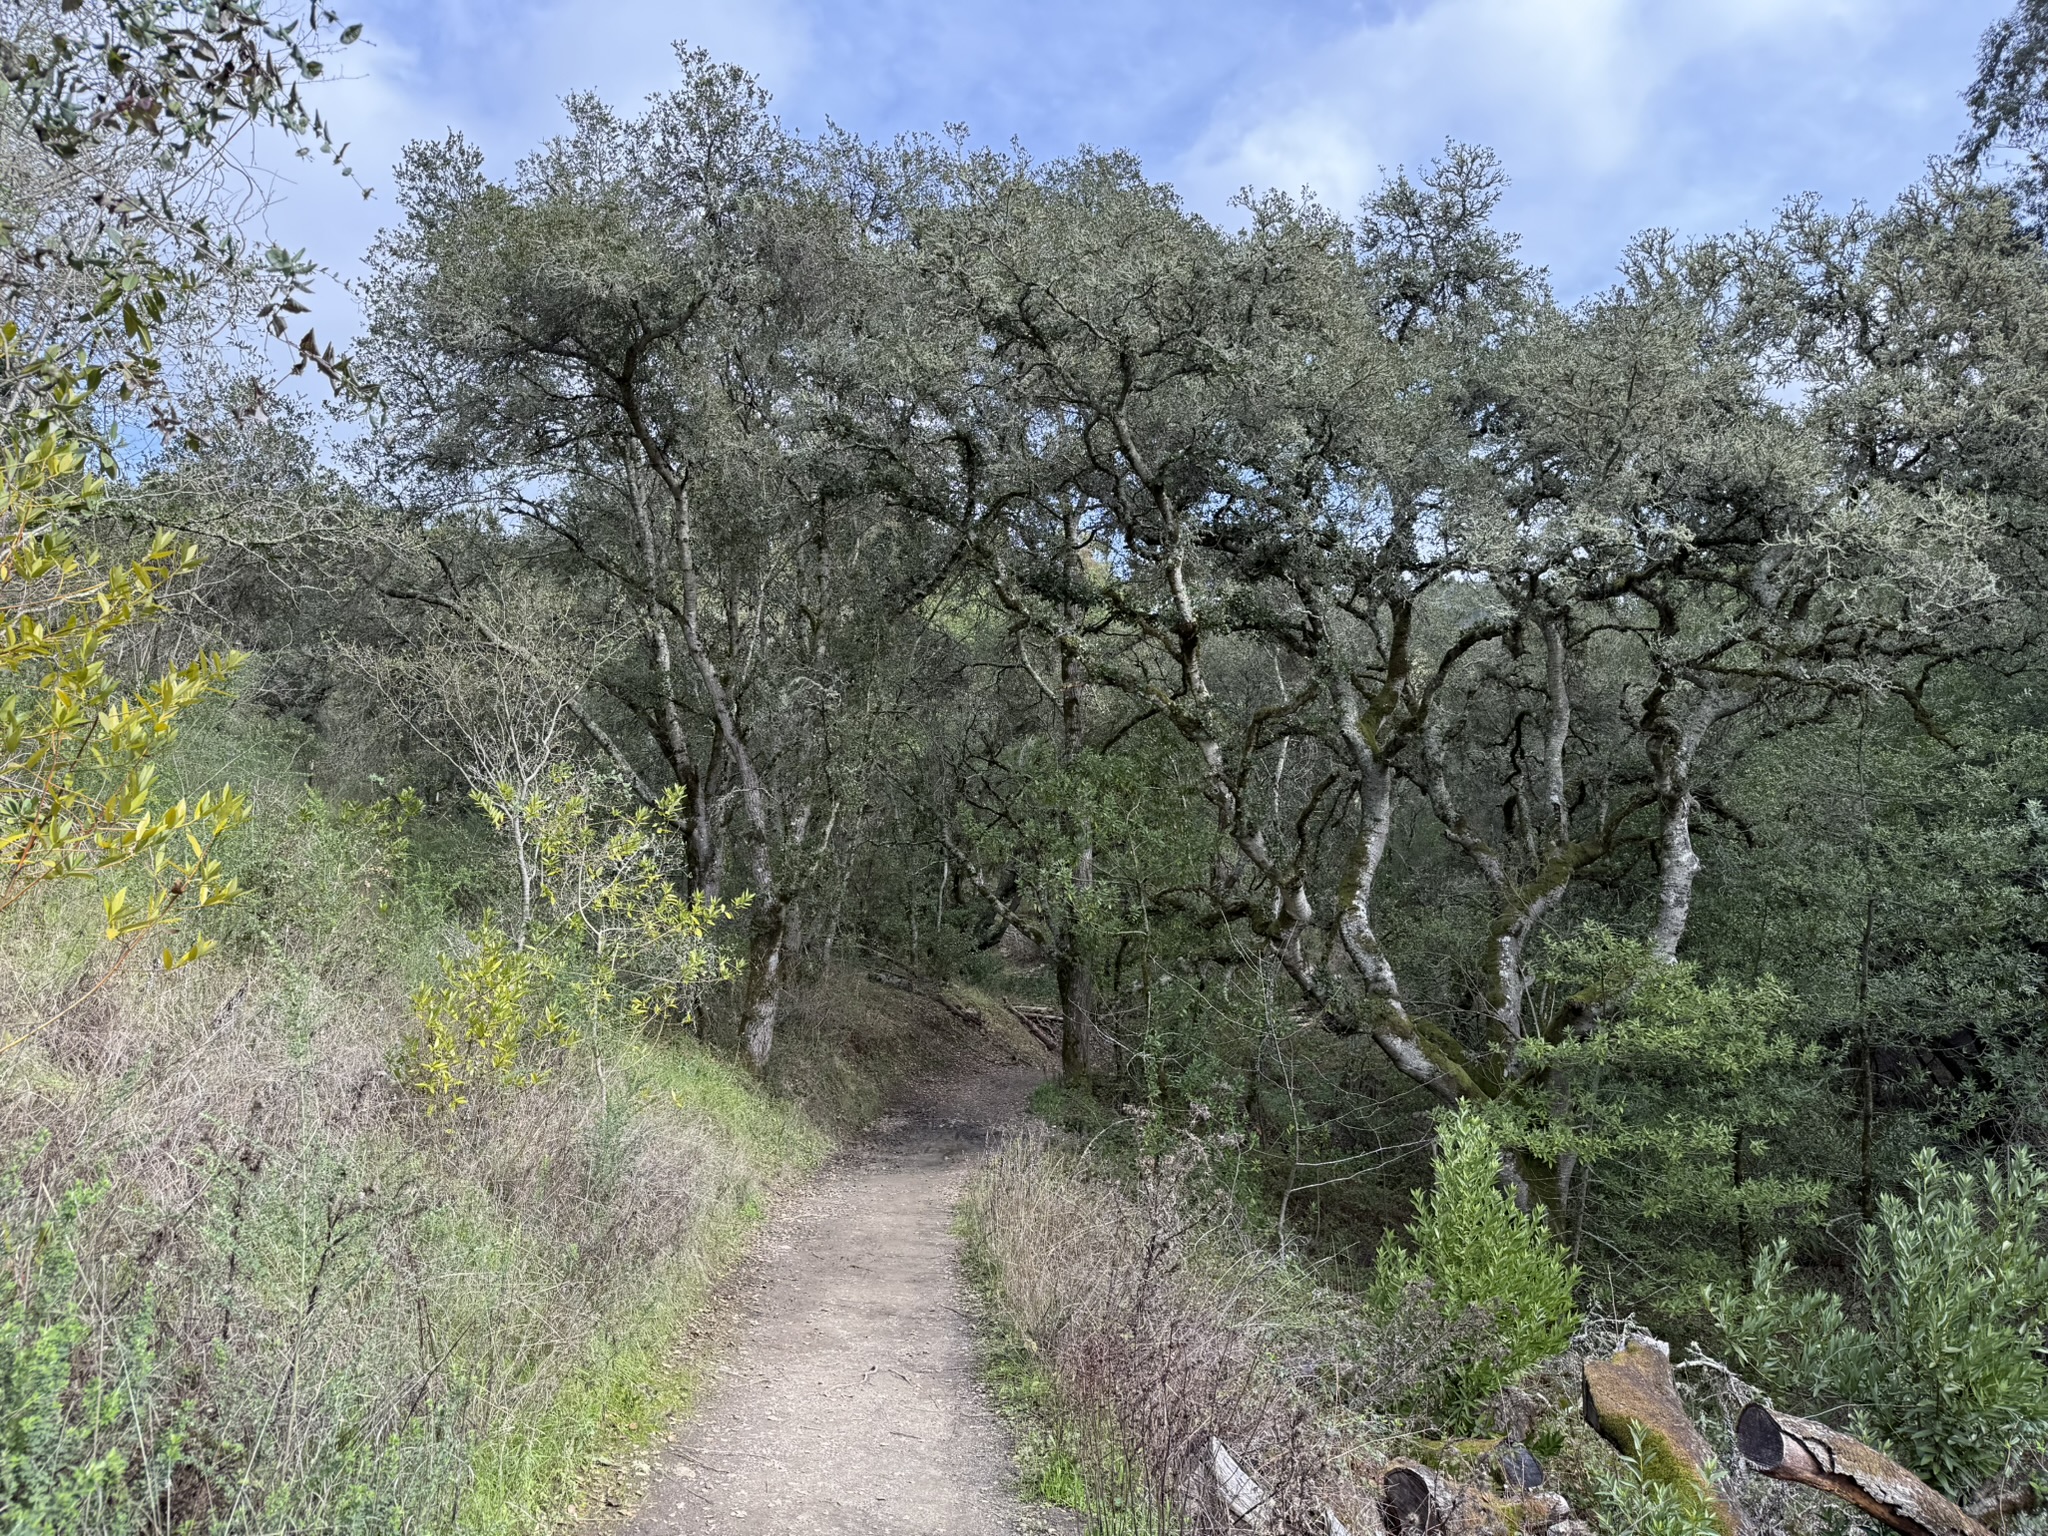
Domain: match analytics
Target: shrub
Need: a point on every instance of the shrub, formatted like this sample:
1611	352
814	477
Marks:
65	1454
1674	1110
305	1309
1631	1500
483	1024
1470	1247
79	798
646	949
1154	1326
1942	1364
1145	1318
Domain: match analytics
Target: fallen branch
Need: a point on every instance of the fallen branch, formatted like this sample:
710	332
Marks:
1242	1499
2002	1501
1802	1451
1044	1023
1239	1491
931	992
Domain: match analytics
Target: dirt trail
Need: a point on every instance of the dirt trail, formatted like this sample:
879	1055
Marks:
849	1403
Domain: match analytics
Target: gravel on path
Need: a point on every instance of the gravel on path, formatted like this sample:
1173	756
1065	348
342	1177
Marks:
850	1403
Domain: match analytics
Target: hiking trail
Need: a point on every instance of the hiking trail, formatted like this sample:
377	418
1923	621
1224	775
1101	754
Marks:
849	1402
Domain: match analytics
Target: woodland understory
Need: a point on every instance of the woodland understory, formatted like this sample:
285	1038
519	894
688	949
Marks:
1525	819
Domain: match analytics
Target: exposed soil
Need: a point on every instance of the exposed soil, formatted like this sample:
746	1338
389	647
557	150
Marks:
849	1401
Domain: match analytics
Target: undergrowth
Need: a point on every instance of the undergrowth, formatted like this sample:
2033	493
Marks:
248	1285
1130	1320
1059	1462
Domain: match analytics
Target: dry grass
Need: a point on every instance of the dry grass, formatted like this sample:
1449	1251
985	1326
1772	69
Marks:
1159	1326
247	1286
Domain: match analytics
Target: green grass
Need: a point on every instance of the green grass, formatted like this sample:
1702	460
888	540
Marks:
771	1133
1025	1397
537	1470
542	1469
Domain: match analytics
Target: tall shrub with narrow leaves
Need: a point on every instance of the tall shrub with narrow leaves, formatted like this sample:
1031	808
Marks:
1940	1352
1470	1246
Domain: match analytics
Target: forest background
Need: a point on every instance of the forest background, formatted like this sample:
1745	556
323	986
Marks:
1380	708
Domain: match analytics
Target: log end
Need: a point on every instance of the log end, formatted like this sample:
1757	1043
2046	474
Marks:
1407	1494
1805	1451
1759	1439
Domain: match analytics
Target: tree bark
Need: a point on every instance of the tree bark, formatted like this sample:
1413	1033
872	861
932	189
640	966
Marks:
1077	1011
764	944
1632	1400
1673	744
1802	1451
762	993
1073	962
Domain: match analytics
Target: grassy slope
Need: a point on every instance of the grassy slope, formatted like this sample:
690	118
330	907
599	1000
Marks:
246	1286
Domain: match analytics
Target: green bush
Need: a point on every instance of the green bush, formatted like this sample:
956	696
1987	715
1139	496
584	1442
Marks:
1678	1111
1469	1246
65	1455
1631	1500
1937	1354
277	1298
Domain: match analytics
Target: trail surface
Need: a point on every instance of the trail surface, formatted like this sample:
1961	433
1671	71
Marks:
850	1402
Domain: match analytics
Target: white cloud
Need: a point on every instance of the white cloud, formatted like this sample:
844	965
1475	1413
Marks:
1610	114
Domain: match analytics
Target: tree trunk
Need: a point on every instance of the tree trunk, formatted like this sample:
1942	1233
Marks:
764	961
1801	1451
1076	976
1673	743
1077	1010
763	990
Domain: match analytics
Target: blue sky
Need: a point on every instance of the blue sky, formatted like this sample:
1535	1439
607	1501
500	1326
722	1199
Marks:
1612	115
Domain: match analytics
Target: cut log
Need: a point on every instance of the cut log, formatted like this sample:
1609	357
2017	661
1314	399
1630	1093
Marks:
1802	1451
1421	1501
1632	1400
1508	1462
